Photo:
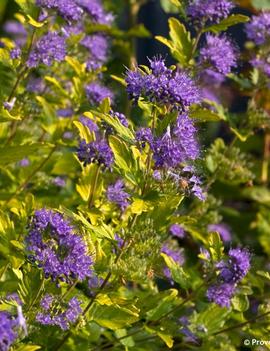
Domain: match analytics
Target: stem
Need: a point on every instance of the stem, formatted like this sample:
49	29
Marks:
266	156
196	43
37	296
93	188
71	288
133	13
242	324
24	184
149	156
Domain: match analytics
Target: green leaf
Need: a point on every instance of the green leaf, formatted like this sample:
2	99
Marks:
178	273
13	154
215	246
258	193
171	6
181	44
240	303
165	305
34	23
5	116
113	317
119	80
204	115
226	23
88	185
28	347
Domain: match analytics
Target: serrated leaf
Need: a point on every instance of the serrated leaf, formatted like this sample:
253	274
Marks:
226	23
178	274
204	115
180	44
113	317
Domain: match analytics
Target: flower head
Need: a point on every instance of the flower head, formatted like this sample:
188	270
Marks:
209	10
222	229
221	294
96	93
7	331
258	29
95	152
95	9
162	85
177	230
218	55
63	315
98	47
117	194
55	248
49	48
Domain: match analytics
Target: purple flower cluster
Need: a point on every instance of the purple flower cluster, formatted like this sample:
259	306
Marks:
96	93
231	272
87	122
117	194
17	31
15	53
209	10
143	136
49	48
95	9
163	85
223	230
258	29
97	151
68	9
218	56
176	255
98	47
36	85
7	331
177	230
177	145
55	312
56	249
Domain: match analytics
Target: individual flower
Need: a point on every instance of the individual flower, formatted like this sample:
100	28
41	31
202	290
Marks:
15	53
209	10
65	112
258	29
54	247
25	162
8	332
96	93
95	152
177	230
163	86
221	294
58	313
218	56
36	85
8	105
60	182
98	47
222	229
49	48
117	194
